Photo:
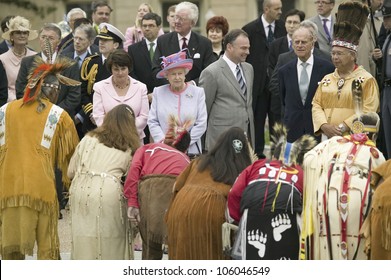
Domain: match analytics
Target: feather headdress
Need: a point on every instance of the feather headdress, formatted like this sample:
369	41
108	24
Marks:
290	153
176	130
41	70
351	18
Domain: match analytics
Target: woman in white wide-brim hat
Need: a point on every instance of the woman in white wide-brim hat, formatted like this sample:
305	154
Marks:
19	34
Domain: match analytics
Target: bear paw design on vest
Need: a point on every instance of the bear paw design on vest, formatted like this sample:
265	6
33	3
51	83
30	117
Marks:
280	224
258	240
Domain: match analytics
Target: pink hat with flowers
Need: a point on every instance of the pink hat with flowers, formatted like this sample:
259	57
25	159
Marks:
176	60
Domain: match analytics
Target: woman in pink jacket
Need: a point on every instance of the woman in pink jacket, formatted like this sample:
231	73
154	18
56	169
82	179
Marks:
120	88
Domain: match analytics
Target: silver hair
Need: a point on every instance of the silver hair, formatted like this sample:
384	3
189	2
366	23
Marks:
309	30
191	8
312	27
75	11
89	30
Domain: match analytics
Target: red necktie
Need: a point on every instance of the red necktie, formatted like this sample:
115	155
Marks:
184	44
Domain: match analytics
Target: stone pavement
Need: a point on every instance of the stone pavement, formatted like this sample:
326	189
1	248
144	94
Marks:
64	232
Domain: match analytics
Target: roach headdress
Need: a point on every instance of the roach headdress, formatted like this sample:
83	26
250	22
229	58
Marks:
290	153
42	69
351	18
176	130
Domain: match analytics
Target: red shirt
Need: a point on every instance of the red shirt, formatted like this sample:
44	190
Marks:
155	158
255	171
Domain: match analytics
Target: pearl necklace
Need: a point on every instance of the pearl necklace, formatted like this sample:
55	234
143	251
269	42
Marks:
121	87
19	54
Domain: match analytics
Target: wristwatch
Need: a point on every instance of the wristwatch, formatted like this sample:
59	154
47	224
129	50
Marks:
342	127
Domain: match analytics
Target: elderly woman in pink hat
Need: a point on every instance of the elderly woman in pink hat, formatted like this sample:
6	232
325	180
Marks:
185	100
19	34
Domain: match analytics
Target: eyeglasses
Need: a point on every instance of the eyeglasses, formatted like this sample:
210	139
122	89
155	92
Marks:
180	19
322	3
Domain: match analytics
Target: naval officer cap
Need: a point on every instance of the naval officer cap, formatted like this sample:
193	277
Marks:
109	32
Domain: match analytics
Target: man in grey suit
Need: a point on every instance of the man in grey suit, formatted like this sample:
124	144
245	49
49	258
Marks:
325	23
228	85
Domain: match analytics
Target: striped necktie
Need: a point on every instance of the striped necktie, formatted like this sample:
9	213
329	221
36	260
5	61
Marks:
241	82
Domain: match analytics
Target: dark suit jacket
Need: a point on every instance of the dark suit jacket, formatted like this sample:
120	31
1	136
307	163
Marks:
3	47
71	55
259	50
200	50
3	86
71	48
87	98
65	42
277	47
142	65
69	97
298	117
283	59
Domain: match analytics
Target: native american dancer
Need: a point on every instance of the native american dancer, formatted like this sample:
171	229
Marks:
377	225
267	199
337	193
35	136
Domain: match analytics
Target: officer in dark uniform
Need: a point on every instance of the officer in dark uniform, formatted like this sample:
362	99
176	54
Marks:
94	70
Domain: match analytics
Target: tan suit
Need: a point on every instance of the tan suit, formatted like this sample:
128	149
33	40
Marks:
366	46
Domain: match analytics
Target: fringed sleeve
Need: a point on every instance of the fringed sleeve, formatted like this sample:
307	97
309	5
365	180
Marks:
67	142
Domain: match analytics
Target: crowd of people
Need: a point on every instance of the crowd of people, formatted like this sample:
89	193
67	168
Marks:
163	135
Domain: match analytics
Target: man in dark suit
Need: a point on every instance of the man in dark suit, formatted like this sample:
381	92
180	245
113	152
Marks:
283	59
5	45
142	54
199	47
73	15
262	32
284	44
83	39
71	46
298	81
279	46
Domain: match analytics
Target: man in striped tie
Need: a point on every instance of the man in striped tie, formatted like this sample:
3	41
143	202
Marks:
228	85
